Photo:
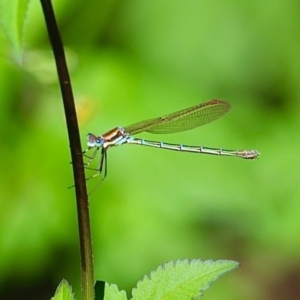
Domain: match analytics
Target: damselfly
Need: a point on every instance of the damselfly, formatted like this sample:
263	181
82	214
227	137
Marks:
182	120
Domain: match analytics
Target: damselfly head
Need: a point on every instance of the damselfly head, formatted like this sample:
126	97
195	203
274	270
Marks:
94	141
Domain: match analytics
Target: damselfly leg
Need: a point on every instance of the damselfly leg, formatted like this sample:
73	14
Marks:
103	164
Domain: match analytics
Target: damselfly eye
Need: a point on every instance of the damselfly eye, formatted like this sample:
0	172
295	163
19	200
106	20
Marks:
90	137
94	141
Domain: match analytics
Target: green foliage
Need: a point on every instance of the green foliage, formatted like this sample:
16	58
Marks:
63	292
12	19
181	280
112	293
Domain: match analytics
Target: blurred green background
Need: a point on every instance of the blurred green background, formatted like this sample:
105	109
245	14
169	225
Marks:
134	60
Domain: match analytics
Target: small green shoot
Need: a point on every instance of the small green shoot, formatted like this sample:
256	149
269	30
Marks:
63	292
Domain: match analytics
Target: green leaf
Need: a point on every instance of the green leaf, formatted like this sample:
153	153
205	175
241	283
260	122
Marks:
63	292
183	279
112	293
12	19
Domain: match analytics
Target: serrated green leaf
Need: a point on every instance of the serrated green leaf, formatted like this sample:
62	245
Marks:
12	19
63	292
112	293
180	280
